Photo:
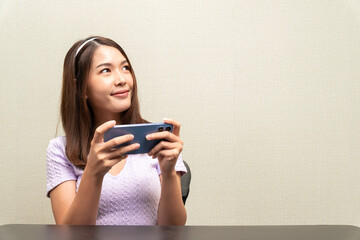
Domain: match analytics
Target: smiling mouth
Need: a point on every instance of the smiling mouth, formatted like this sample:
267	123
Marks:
123	93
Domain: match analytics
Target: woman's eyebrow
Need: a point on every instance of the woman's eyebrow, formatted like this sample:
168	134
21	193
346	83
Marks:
110	64
104	64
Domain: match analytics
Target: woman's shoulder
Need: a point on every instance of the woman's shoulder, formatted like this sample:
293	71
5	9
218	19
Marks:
57	142
56	153
57	146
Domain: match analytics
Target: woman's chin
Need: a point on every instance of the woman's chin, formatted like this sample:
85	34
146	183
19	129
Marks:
120	109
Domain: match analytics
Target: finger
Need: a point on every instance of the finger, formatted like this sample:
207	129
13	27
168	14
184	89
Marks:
118	140
175	124
123	150
118	158
167	154
163	135
111	162
99	132
162	145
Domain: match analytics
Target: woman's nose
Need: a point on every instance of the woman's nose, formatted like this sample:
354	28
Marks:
120	79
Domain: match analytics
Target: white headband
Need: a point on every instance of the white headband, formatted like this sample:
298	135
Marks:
82	45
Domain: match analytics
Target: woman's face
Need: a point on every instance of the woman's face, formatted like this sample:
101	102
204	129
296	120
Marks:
110	83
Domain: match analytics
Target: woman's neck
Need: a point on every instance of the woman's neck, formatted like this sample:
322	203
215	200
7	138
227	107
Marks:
102	118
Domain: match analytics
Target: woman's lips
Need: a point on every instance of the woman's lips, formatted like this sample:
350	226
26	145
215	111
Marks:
121	94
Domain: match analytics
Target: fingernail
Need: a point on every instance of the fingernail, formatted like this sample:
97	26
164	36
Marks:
148	137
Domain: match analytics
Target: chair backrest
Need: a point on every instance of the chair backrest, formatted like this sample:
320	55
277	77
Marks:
185	183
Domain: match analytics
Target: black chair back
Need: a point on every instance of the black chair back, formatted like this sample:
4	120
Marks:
185	183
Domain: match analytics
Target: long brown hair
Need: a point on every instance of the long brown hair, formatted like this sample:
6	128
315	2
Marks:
76	112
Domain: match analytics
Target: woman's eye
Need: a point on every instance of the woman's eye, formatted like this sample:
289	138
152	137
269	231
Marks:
105	70
126	68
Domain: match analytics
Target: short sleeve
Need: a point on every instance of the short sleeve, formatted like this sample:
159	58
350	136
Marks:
59	168
179	166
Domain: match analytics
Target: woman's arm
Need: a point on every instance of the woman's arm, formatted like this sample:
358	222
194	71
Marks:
81	208
171	208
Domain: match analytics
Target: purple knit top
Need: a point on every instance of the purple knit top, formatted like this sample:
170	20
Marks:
129	198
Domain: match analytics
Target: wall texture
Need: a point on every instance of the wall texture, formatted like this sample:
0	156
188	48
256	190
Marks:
267	93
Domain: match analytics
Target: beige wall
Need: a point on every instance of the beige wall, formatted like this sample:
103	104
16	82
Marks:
267	93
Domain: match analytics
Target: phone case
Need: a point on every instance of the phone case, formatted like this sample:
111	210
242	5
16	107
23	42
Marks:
139	131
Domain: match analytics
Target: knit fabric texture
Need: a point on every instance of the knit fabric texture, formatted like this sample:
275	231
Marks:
129	198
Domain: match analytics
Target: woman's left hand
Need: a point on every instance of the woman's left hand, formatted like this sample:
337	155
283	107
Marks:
167	151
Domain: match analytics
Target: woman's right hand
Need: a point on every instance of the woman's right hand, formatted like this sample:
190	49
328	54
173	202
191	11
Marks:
102	155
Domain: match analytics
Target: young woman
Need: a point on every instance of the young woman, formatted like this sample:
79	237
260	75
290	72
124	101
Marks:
88	181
